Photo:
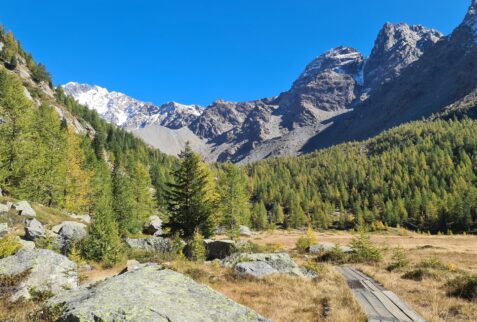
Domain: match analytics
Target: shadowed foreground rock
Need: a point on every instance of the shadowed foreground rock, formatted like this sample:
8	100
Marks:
150	294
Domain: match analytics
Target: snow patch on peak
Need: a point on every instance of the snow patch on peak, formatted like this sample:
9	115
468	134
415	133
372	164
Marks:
334	59
127	112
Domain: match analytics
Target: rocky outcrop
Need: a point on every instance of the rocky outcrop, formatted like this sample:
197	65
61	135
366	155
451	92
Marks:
153	226
45	271
24	209
69	232
281	262
152	244
4	230
244	231
152	295
33	229
327	247
254	269
219	249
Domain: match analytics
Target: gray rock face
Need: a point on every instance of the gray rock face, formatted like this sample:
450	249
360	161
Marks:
152	295
281	262
24	209
153	226
83	218
49	272
33	229
26	244
4	230
245	231
67	233
152	244
254	269
219	249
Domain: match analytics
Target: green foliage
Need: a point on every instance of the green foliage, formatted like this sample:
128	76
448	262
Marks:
196	248
400	260
233	198
306	240
335	256
432	262
190	197
419	274
364	251
420	175
9	246
259	219
464	287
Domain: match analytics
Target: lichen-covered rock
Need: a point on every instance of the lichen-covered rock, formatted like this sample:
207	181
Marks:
4	208
254	269
83	218
244	231
153	226
150	294
4	230
219	249
24	209
327	247
46	271
26	244
282	262
152	244
33	229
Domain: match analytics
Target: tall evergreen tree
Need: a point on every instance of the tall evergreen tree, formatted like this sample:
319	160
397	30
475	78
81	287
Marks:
189	202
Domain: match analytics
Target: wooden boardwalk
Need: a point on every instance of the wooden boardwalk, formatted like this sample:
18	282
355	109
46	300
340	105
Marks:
378	303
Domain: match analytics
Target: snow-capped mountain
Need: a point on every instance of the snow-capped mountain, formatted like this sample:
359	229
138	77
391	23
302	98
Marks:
127	112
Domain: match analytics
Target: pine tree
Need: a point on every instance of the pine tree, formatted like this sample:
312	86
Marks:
233	197
189	202
259	216
124	203
143	192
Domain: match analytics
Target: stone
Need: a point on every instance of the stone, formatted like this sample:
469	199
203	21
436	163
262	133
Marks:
152	244
244	231
26	244
219	249
327	247
132	265
4	230
83	218
69	232
46	271
282	262
254	269
24	209
149	294
153	226
5	208
33	229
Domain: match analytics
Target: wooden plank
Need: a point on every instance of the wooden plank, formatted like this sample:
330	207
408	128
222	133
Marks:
366	305
378	306
392	307
370	285
404	307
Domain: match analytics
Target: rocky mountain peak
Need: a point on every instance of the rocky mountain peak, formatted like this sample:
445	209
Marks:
471	19
397	46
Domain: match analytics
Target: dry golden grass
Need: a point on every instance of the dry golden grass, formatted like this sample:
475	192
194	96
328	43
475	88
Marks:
428	297
282	297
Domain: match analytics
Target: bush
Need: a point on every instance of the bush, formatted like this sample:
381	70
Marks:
251	247
419	274
432	262
306	241
335	256
400	260
9	246
197	248
364	249
463	287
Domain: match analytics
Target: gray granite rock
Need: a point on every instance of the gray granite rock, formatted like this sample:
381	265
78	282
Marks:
4	230
150	294
33	229
219	249
254	269
282	262
153	226
244	231
46	271
24	209
153	244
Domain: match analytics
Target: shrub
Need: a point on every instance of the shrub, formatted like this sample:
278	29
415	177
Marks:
197	248
432	262
335	255
251	247
9	246
306	240
400	260
47	242
364	249
463	287
419	274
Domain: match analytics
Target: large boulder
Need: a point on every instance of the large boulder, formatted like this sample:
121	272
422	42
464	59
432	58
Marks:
33	229
153	226
45	271
4	208
152	295
245	231
219	249
26	244
4	230
153	244
254	269
282	262
24	209
71	231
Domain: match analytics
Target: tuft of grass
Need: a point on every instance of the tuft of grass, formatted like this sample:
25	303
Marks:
432	262
464	287
419	274
9	245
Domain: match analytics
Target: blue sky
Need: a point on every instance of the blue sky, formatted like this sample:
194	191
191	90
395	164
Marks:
196	51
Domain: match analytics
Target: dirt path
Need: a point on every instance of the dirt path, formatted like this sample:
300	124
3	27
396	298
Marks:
378	303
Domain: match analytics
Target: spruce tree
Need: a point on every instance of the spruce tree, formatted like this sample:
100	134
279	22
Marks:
189	199
124	203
